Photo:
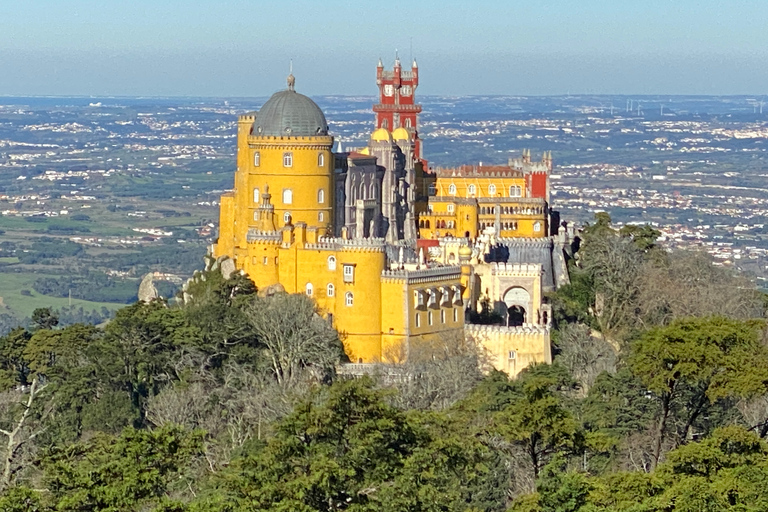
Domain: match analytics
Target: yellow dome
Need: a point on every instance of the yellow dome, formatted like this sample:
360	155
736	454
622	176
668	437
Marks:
464	250
364	151
381	135
401	134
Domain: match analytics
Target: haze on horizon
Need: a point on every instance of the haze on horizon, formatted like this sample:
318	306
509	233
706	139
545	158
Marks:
241	48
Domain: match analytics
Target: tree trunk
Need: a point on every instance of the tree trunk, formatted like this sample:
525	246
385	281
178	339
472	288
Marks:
14	443
666	399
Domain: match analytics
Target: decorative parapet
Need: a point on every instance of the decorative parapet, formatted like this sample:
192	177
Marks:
352	244
516	269
546	241
525	329
255	235
426	275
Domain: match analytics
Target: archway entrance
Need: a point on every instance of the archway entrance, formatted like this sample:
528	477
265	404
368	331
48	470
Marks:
515	316
516	300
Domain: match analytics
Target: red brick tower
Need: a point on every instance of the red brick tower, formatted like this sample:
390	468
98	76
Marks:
397	106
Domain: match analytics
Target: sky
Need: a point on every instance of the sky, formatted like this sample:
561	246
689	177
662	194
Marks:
242	48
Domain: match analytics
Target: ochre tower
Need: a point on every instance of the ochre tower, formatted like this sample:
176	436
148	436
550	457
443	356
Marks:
397	106
286	148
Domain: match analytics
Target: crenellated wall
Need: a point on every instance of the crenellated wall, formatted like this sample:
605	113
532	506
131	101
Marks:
511	349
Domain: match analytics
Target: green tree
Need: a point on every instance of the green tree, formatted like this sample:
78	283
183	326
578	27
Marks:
44	318
538	420
703	359
134	472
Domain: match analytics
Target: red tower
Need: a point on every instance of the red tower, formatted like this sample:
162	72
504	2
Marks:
397	106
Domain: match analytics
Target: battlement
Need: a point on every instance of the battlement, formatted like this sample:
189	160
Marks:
425	275
255	235
352	244
544	242
521	330
517	269
480	171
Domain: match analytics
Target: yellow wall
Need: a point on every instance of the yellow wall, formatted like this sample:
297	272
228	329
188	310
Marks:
481	183
469	217
530	345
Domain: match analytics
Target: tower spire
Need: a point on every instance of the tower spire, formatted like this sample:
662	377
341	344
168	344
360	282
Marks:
291	78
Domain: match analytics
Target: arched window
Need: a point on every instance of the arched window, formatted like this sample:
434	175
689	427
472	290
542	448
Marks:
432	190
491	190
537	226
349	299
408	123
309	289
373	191
288	159
418	320
330	290
287	217
320	159
256	195
321	196
442	316
362	191
385	124
452	189
320	217
426	224
472	190
429	317
450	208
331	262
256	159
287	196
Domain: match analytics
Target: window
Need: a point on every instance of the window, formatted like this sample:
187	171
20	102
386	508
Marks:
418	319
491	190
442	316
320	159
330	290
256	159
320	217
537	226
512	355
321	196
256	195
515	191
331	262
432	190
309	289
472	190
429	318
418	299
287	217
452	189
349	299
430	207
288	159
450	208
455	315
349	273
287	196
266	260
385	124
407	121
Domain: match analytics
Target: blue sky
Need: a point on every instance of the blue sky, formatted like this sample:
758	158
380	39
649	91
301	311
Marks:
242	48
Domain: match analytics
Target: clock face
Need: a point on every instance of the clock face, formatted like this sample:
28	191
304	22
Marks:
389	90
406	90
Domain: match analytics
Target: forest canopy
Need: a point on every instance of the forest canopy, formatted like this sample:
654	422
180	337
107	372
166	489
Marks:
230	400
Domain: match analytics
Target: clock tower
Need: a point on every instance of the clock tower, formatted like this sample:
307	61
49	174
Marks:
397	107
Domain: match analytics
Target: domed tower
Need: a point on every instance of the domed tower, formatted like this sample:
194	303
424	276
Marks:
285	146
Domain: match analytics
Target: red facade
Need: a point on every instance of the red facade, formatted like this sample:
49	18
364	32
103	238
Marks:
397	106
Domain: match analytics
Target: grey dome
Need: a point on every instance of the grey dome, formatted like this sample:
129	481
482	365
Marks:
290	114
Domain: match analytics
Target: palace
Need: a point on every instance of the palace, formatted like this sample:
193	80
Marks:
394	254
